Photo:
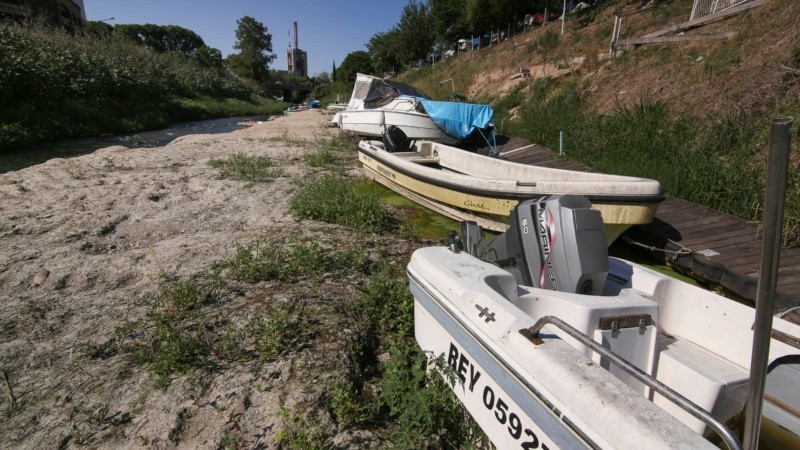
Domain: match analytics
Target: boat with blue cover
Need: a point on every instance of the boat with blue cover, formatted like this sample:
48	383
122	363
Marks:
401	114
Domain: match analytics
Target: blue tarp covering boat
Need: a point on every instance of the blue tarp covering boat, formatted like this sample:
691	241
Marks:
461	120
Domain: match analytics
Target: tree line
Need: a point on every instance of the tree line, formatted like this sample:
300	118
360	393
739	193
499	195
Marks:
253	41
434	26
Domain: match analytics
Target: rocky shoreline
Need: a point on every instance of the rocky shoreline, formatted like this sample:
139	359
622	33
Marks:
86	247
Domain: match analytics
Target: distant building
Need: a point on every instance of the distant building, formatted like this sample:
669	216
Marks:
68	13
297	59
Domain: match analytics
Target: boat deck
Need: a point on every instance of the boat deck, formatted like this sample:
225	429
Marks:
711	246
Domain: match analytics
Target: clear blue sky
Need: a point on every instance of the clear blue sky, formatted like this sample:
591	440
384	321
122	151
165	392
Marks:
328	30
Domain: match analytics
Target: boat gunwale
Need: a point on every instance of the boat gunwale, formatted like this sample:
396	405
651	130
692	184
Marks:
496	193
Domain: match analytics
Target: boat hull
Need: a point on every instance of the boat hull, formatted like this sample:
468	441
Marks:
486	384
559	397
492	207
374	122
692	341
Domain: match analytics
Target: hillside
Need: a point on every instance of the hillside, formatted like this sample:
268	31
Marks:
756	71
655	107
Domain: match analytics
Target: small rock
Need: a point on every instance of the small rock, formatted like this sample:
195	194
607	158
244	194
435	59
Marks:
41	277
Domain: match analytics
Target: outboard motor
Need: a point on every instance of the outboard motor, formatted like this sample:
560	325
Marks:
395	140
554	242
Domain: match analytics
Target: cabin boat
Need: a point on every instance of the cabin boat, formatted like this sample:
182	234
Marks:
470	186
550	343
378	106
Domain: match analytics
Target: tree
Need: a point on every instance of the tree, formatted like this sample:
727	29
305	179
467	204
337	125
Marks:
385	50
209	57
354	62
162	38
255	50
448	19
414	32
98	29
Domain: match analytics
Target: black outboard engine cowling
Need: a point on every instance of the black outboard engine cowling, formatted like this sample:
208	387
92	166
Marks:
555	242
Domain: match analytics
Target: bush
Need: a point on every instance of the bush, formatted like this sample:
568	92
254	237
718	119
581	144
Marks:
54	84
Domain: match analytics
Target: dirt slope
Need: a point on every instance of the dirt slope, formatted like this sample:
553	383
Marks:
756	72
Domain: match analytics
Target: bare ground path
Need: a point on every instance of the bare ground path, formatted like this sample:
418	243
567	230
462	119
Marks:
85	244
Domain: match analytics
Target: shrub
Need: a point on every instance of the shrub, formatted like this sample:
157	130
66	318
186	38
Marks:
54	84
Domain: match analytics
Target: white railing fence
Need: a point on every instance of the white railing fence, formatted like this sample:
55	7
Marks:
702	8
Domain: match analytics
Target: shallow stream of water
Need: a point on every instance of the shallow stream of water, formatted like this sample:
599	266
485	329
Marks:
66	148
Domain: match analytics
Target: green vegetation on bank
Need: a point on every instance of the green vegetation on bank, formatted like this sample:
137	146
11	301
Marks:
245	167
717	164
54	84
694	116
333	199
199	327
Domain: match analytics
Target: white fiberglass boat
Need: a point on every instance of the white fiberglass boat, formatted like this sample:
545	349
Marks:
552	344
378	106
469	186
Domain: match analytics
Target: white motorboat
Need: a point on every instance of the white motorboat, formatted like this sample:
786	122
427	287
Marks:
469	186
552	344
378	106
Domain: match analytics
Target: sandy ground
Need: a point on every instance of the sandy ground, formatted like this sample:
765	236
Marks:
84	246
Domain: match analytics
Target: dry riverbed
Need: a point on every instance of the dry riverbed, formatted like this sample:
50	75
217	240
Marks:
90	245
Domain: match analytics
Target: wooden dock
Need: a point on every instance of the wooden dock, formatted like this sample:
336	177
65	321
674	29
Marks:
716	248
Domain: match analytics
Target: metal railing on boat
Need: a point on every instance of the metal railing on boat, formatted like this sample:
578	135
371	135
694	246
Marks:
692	408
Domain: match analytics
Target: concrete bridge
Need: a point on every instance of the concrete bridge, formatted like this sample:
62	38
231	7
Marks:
287	88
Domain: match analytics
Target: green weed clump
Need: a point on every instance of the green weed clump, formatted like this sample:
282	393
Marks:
329	153
416	404
546	43
182	333
275	333
297	433
334	199
289	260
173	336
385	304
246	167
421	404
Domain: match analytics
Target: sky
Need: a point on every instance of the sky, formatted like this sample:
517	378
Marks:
328	30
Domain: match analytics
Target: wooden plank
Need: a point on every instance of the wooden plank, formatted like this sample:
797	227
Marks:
681	38
708	224
707	19
718	237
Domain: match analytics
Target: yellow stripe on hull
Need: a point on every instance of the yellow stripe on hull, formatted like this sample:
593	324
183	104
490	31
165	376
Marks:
617	217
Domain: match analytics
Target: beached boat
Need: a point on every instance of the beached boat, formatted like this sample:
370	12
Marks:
469	186
294	108
552	344
378	106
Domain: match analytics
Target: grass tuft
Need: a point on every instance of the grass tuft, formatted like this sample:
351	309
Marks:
333	199
247	168
289	260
